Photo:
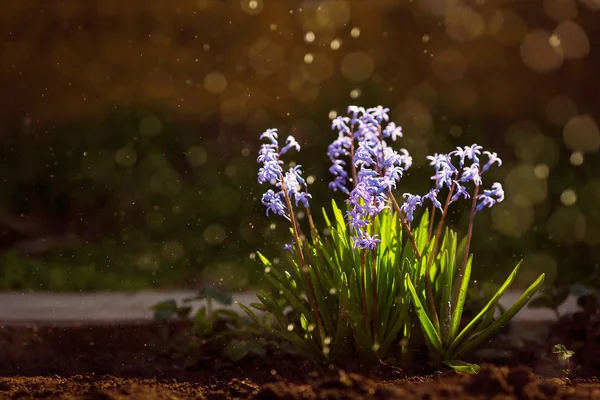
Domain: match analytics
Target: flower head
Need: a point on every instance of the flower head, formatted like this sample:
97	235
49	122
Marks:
490	197
271	171
492	159
410	205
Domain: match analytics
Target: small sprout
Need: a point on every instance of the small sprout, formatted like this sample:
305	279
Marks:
562	352
564	356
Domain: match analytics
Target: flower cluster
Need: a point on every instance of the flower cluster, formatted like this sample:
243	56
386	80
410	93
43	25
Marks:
455	178
375	170
377	166
272	172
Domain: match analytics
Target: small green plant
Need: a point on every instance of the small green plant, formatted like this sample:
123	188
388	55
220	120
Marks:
563	356
211	329
359	290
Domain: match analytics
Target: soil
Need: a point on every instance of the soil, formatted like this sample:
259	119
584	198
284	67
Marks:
124	361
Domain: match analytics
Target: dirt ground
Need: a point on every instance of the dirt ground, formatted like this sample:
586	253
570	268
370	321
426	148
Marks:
120	362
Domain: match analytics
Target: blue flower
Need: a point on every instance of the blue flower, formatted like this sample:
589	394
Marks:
490	197
471	152
341	124
363	156
270	134
338	183
379	113
471	173
459	191
274	203
355	112
392	131
272	172
366	242
290	143
492	158
410	205
444	170
432	196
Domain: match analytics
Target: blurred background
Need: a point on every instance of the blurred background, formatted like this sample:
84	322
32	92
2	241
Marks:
129	129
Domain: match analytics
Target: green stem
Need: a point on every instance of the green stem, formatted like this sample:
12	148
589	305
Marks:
363	287
374	287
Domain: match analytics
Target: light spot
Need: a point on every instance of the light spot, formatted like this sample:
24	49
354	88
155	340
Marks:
581	134
308	58
215	82
507	27
355	93
568	197
252	7
126	156
357	66
196	156
449	65
538	54
335	44
355	32
576	158
309	37
172	251
560	10
214	234
573	40
150	126
541	171
560	109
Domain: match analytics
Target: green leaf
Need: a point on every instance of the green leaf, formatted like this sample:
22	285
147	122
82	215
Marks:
259	307
431	334
460	301
461	366
483	335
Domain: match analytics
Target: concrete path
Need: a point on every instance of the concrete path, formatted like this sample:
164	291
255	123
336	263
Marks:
16	308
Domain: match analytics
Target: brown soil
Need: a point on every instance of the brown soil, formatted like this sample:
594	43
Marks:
122	362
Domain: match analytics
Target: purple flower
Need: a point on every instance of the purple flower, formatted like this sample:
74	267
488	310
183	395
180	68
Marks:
410	205
471	152
274	203
270	134
459	191
379	113
272	172
432	196
355	112
269	172
471	173
492	158
341	124
363	156
490	197
290	143
338	183
444	170
392	131
366	242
